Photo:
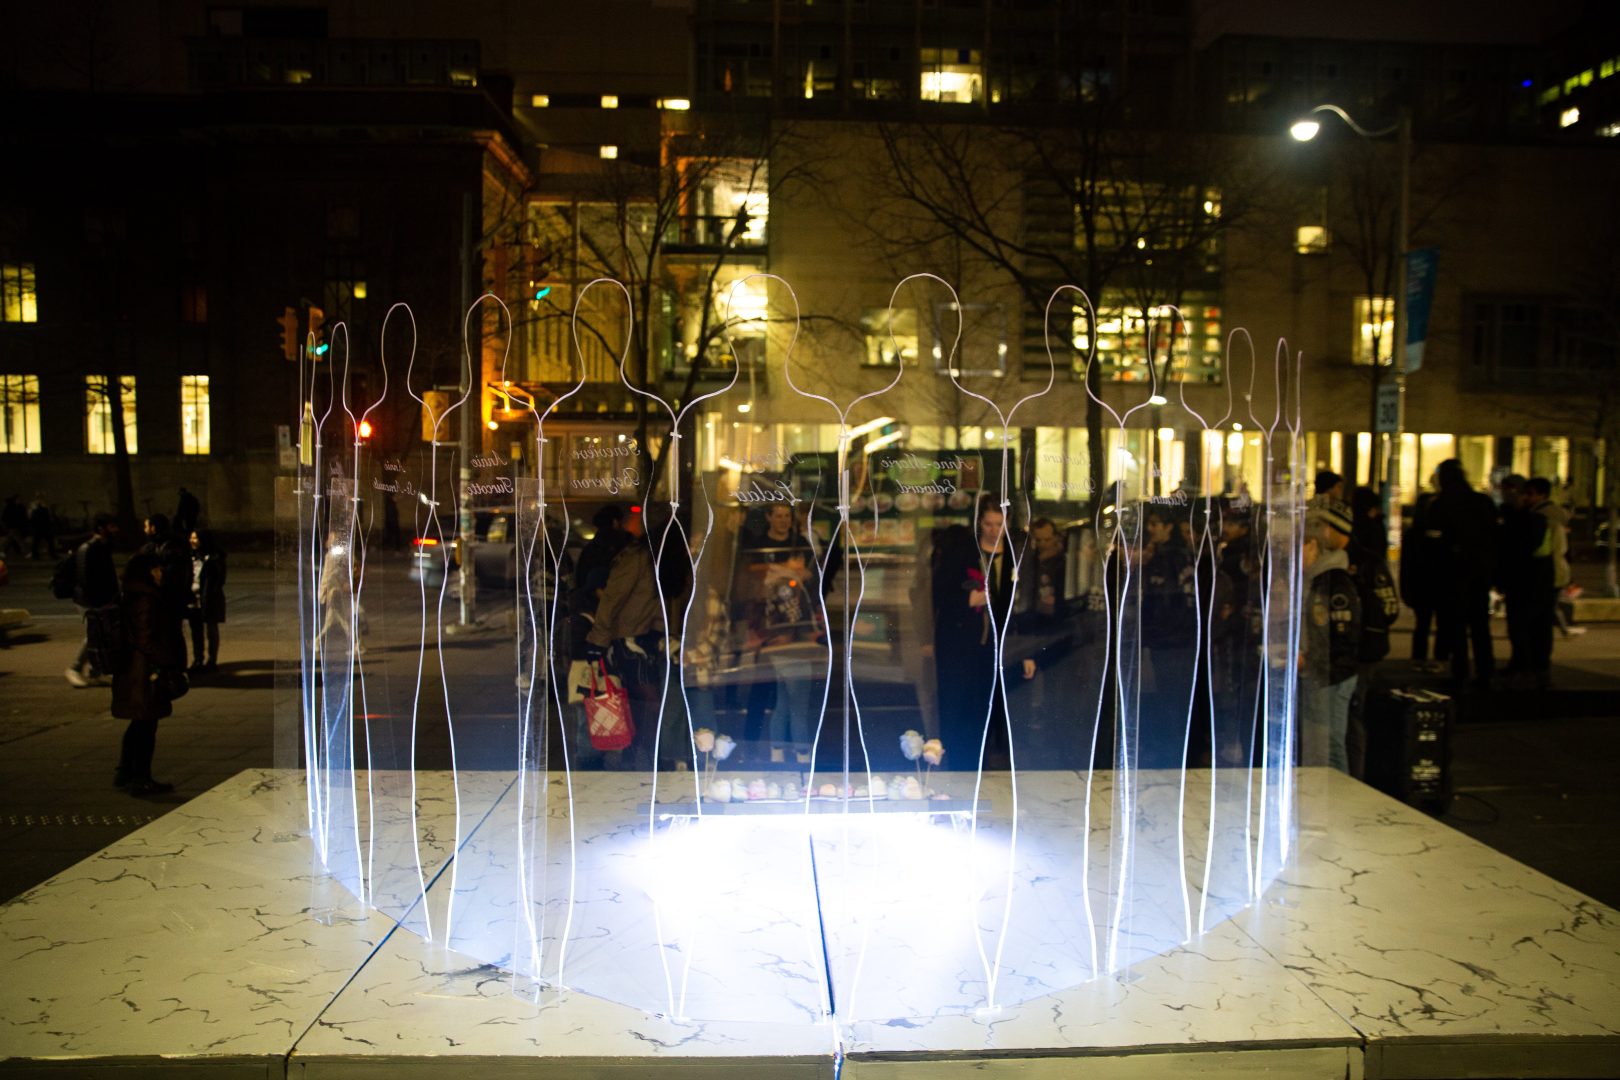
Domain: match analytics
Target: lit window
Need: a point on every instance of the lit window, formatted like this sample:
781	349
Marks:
17	283
1609	131
540	101
608	153
1569	118
1311	239
610	101
463	77
359	290
674	104
19	414
889	344
194	414
1375	330
952	75
1124	331
98	414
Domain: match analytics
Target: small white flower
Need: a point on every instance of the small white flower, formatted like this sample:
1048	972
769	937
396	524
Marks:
723	746
704	738
720	791
911	744
913	788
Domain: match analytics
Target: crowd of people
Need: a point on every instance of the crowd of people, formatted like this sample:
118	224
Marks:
1185	610
135	620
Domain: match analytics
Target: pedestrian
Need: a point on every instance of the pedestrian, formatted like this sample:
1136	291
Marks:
779	586
973	597
1525	578
1235	631
41	527
1557	515
187	512
1380	607
1169	635
1422	571
205	607
1466	522
144	679
1330	640
628	634
14	521
95	587
174	551
1330	484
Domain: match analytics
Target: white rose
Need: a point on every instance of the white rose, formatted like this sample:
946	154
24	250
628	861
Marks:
897	788
723	746
704	738
914	789
720	791
790	791
880	789
911	744
828	791
773	790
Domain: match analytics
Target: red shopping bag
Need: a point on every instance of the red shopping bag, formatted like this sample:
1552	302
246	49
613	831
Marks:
607	711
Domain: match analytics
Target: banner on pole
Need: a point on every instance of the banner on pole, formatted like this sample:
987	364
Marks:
1420	270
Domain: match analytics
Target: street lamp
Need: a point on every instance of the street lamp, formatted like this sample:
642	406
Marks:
1305	129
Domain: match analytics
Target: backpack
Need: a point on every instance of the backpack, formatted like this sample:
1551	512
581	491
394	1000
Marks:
65	578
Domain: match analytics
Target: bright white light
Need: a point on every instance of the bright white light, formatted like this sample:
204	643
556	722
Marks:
674	104
1159	399
608	153
746	406
1569	118
610	101
1305	130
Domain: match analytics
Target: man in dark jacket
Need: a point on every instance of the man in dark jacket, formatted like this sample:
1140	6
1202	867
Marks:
1525	578
1330	642
151	658
96	586
1466	522
174	551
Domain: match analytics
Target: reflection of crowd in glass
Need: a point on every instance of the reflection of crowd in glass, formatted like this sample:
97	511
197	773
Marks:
1185	602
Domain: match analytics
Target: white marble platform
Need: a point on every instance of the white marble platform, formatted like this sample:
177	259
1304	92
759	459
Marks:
1391	947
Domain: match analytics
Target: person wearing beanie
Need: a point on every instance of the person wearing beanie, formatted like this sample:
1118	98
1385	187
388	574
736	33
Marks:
1329	639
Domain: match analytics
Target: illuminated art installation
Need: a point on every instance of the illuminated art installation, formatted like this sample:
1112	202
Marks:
915	757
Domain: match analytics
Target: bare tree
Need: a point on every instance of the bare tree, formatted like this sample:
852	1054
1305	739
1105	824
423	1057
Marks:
1123	213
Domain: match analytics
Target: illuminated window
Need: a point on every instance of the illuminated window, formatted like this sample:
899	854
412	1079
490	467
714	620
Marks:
1122	337
674	104
98	414
21	301
358	290
19	413
540	101
608	153
1311	239
952	75
1569	118
1375	330
194	414
888	345
610	101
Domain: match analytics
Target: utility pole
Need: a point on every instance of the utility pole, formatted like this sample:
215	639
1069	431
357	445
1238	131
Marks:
471	413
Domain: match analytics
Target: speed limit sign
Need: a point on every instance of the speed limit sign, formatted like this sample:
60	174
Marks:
1387	418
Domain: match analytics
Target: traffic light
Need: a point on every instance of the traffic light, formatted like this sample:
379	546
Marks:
317	333
287	325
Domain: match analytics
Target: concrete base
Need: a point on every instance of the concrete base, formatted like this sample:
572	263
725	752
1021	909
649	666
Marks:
1392	946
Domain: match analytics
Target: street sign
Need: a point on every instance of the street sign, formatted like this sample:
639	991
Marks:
1387	415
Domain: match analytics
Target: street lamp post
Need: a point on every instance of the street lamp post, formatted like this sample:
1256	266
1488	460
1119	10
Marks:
1306	129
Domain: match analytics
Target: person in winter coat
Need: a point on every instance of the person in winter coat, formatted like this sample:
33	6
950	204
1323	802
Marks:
205	608
628	632
1330	642
95	586
1465	520
1525	575
1169	633
152	656
1380	606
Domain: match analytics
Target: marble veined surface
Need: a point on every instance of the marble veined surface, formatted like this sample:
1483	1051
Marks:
205	935
1390	946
